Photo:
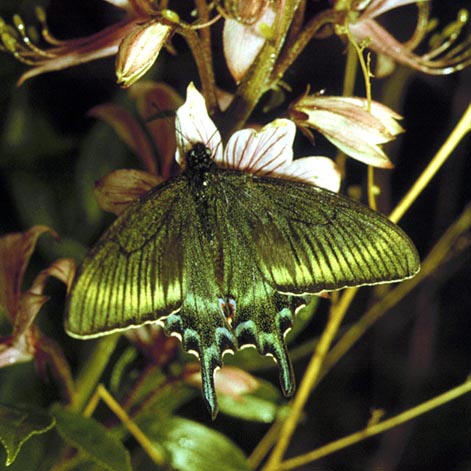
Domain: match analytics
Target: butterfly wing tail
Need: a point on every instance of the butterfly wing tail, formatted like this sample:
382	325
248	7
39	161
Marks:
203	330
262	321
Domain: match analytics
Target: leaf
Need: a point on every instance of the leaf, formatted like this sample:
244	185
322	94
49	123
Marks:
34	200
94	440
18	425
258	406
101	152
191	446
28	135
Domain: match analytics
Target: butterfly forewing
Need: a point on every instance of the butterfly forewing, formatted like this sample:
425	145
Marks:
306	239
135	273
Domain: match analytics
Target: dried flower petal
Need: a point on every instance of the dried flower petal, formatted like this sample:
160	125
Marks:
129	131
15	251
22	308
117	190
445	57
152	101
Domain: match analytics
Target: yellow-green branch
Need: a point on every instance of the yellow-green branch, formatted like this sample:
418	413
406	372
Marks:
377	428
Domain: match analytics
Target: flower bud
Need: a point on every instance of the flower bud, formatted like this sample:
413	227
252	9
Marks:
139	50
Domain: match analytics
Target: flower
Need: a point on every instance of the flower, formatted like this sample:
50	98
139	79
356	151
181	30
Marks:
137	40
26	342
228	380
154	101
348	124
444	57
266	152
139	50
245	33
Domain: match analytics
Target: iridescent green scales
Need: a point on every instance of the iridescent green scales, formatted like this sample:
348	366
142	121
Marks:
211	237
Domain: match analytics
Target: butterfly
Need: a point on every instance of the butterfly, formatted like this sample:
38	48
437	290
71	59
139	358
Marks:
218	254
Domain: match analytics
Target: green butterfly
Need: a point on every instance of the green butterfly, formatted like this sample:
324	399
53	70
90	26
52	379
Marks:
216	254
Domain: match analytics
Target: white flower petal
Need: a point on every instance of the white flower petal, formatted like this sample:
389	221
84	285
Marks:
261	152
193	125
319	171
386	115
342	127
242	42
378	7
368	153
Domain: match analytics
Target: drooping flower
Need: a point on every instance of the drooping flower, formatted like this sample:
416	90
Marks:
266	152
348	124
136	40
154	131
444	57
26	342
245	32
228	380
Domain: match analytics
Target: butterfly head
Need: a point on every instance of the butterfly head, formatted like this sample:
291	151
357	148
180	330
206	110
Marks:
199	160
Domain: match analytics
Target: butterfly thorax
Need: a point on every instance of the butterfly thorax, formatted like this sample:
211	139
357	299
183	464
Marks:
199	167
199	163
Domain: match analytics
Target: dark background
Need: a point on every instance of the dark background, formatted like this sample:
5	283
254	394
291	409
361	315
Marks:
415	352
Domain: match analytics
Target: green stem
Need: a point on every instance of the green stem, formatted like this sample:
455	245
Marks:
308	32
204	63
90	374
377	428
349	79
257	79
310	378
458	133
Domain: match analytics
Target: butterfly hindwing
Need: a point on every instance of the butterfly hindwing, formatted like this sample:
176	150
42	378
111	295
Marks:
261	316
201	323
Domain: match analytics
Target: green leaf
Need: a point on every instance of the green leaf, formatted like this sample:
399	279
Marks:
28	134
191	446
18	425
100	153
94	440
34	199
259	406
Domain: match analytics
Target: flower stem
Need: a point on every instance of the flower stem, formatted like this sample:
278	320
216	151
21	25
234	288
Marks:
257	79
92	369
377	428
349	78
461	129
310	378
204	64
154	451
435	258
